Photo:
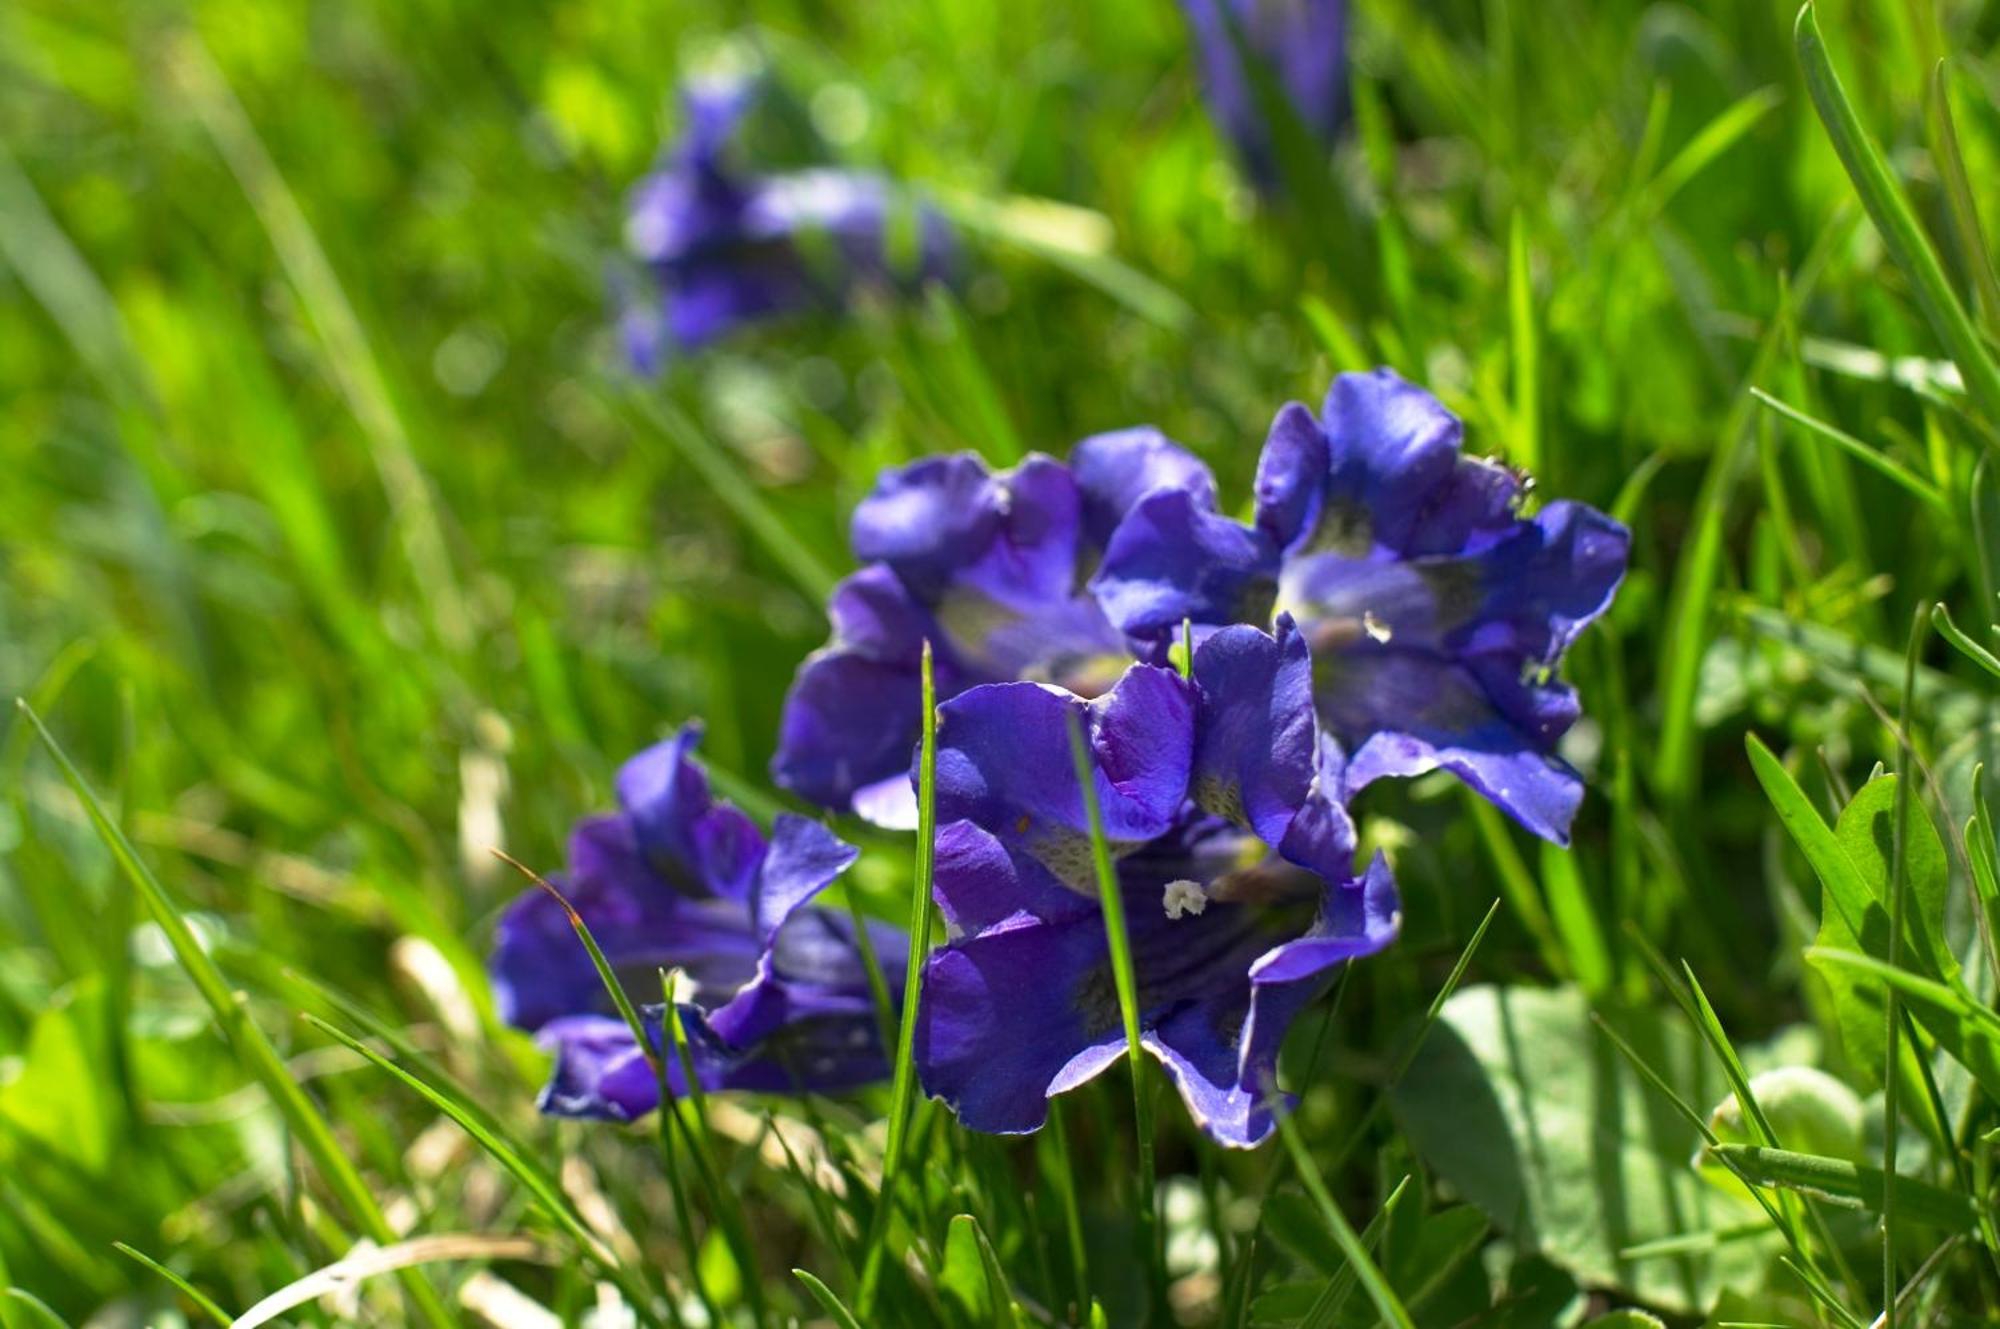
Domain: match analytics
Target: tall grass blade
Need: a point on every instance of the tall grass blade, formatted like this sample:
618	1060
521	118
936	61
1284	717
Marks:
194	1295
1125	978
246	1038
904	1088
1358	1259
1897	222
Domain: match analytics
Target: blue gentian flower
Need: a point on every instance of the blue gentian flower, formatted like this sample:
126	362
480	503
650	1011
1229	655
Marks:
779	997
1436	612
728	245
1235	869
1301	44
990	568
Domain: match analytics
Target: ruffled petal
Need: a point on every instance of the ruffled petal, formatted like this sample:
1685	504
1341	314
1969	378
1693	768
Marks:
1117	469
1014	1015
1004	762
1256	739
1396	479
701	846
849	722
1172	559
930	518
599	1073
1291	475
804	859
1402	714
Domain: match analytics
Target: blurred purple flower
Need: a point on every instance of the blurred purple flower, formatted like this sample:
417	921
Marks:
1437	614
779	996
990	568
1235	869
1300	44
728	245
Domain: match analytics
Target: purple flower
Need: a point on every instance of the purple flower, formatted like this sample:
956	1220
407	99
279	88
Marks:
1436	612
1300	44
779	996
729	246
1236	873
990	568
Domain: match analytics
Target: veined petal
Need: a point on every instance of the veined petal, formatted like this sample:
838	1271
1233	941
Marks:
978	884
1402	714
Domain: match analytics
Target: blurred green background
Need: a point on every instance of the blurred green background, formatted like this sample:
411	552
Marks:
336	545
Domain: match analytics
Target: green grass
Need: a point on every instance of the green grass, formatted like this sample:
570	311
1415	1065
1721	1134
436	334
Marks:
335	552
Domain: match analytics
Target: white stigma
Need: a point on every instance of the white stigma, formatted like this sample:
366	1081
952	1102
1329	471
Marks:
1375	627
1184	897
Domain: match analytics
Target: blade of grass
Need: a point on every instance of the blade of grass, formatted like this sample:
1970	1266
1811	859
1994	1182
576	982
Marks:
1892	1087
244	1035
1811	1276
1124	977
1855	1184
1960	208
1966	646
347	356
829	1303
1325	1310
181	1285
541	1187
737	493
1371	1279
345	1273
1897	222
904	1090
1894	470
722	1199
1525	348
31	1309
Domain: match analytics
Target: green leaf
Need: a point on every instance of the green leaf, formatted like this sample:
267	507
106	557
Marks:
962	1278
1964	1028
1528	1111
1855	1184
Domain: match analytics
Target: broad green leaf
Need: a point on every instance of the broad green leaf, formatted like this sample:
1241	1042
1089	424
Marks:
1528	1111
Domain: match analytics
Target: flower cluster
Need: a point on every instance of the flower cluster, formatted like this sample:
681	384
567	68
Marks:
777	995
728	245
1389	609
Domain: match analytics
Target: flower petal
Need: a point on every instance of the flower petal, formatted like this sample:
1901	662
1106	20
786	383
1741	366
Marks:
1396	478
930	518
849	723
1013	1015
1172	559
804	859
1117	469
701	846
1256	738
978	884
599	1074
1004	762
1402	714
